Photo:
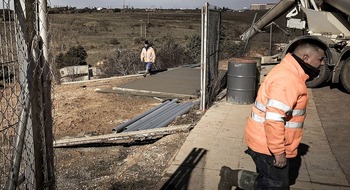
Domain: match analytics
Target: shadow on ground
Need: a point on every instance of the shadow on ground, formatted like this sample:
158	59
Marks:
181	177
295	163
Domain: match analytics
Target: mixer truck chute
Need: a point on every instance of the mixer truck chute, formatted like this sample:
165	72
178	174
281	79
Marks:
327	21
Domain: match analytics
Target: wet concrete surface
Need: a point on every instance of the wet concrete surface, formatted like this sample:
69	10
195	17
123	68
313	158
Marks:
333	106
184	80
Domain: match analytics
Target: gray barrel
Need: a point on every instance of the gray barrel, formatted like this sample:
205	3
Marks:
241	81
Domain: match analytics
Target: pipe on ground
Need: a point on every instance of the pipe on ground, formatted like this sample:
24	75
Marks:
121	127
150	115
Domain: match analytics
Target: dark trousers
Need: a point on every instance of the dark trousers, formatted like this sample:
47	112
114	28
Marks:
270	177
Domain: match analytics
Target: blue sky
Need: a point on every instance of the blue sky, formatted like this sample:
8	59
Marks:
232	4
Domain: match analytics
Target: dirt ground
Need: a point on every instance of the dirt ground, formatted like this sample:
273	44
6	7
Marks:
80	111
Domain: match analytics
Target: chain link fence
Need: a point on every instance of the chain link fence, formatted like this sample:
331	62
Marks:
211	23
26	141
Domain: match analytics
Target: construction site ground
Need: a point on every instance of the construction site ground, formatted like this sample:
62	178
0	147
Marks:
188	160
93	108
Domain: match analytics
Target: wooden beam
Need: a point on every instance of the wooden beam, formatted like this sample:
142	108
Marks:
123	137
145	93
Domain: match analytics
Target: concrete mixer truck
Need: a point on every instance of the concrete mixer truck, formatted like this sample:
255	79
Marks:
327	21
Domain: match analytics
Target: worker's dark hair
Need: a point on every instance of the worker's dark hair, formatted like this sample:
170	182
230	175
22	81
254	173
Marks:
311	42
146	42
316	43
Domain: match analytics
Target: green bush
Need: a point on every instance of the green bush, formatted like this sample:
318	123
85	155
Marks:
74	56
193	48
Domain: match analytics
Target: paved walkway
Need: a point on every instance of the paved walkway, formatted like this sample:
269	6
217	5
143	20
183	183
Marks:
218	140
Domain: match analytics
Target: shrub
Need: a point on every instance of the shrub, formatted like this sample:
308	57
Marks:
138	40
231	48
122	62
193	48
171	54
74	56
114	41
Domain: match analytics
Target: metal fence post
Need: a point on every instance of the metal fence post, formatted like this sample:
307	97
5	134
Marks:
211	19
26	148
49	170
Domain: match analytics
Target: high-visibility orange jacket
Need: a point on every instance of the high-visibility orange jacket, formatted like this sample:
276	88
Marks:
277	118
148	55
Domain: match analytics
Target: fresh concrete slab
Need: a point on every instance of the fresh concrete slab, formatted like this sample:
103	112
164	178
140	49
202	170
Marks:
184	80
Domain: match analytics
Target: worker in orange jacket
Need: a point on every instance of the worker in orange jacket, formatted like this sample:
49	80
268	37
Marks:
274	129
148	56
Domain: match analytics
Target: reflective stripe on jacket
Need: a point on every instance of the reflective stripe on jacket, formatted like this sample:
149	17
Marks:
148	55
277	118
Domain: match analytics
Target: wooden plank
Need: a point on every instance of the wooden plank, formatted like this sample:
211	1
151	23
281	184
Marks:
146	93
124	137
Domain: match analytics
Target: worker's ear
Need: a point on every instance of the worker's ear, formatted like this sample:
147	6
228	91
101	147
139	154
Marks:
305	58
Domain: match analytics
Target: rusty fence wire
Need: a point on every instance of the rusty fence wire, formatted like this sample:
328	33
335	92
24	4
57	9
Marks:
26	141
211	23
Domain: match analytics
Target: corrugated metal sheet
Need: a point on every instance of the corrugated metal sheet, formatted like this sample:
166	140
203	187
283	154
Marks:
159	116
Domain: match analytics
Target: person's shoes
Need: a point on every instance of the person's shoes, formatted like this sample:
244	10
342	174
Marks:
146	73
228	178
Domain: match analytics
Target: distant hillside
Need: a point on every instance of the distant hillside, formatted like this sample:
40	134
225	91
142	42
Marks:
100	32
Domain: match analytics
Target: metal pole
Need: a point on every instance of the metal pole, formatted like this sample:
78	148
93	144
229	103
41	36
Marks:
148	18
247	41
48	155
141	30
43	27
270	48
206	26
18	148
202	58
204	61
217	47
24	35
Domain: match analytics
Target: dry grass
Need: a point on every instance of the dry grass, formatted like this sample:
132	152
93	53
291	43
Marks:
95	31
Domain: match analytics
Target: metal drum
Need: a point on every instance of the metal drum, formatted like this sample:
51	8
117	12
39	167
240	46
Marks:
241	81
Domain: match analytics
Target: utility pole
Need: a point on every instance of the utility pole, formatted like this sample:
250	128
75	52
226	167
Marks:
141	30
148	19
143	27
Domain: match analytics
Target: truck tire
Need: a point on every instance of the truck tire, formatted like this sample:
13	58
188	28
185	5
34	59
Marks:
345	75
323	78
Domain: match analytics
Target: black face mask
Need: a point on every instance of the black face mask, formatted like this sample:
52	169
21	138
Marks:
308	69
